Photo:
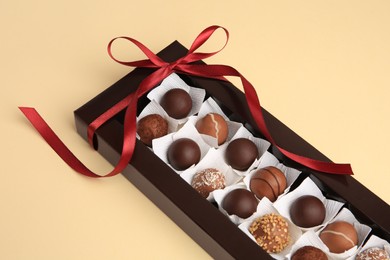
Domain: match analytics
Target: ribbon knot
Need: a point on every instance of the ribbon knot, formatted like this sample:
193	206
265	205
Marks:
183	65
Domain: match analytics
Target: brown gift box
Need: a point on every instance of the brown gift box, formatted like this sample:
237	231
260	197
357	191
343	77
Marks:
199	218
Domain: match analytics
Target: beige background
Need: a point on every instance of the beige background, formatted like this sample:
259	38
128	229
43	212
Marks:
321	67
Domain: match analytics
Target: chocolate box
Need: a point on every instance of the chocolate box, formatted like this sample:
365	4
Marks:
200	219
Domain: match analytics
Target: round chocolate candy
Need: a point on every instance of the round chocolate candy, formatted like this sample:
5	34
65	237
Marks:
240	202
373	253
208	180
271	232
268	182
151	127
240	153
183	153
309	253
177	103
307	211
213	124
339	236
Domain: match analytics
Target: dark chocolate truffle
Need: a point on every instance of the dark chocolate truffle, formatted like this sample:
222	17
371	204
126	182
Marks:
373	253
214	125
177	103
208	180
151	127
268	182
307	211
241	153
183	153
339	236
271	232
309	253
240	202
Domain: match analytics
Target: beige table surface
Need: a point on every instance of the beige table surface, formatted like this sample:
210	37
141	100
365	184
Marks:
321	67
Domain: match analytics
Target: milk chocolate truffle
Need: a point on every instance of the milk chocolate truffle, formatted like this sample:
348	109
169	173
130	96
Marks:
208	180
177	103
268	182
307	211
271	232
240	202
309	253
339	236
183	153
151	127
240	153
213	124
373	253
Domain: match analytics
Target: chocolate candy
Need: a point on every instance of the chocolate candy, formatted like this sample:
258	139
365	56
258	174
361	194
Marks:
241	153
307	211
240	202
309	253
183	153
373	253
177	103
151	127
208	180
339	236
268	182
271	232
214	125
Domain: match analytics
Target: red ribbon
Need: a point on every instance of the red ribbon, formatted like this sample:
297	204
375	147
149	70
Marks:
163	69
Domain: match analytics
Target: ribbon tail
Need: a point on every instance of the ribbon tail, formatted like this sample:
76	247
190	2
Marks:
62	150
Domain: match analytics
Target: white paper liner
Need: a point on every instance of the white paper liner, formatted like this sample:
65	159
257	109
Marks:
361	229
219	196
308	239
265	207
212	160
270	160
308	187
154	108
174	81
374	241
161	145
261	144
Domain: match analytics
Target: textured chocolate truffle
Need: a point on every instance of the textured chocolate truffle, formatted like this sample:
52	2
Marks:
309	253
240	202
151	127
214	125
268	182
373	253
271	232
183	153
208	180
240	153
307	211
339	236
177	103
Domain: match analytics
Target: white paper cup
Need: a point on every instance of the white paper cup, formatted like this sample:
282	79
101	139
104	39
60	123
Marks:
308	187
161	145
265	207
361	229
270	160
261	145
374	241
310	238
219	196
212	160
154	108
173	81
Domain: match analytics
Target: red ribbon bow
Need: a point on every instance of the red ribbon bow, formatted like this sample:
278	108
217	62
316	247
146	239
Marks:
183	65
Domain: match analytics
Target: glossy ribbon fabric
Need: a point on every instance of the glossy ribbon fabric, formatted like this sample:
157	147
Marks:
163	69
